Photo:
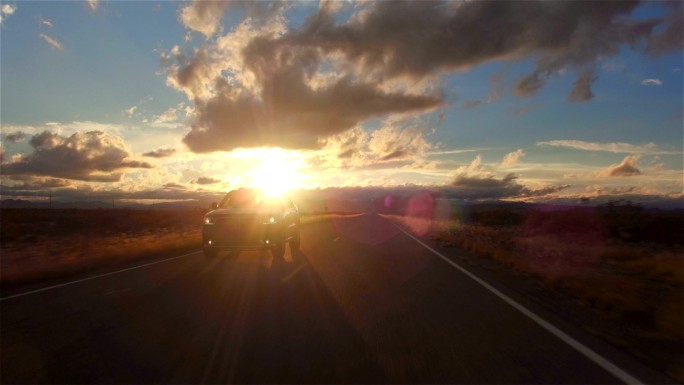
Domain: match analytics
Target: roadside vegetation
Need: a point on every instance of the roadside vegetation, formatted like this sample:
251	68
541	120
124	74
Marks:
40	244
617	269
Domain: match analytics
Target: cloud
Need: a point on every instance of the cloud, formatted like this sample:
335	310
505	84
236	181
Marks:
168	116
512	158
7	10
651	82
44	22
203	16
52	41
160	153
581	91
393	142
206	180
671	37
31	183
474	182
15	137
628	167
90	156
615	147
275	103
268	82
93	4
437	36
130	111
291	114
174	186
397	143
490	187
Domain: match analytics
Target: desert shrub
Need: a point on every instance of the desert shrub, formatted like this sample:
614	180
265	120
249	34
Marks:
493	215
22	225
624	221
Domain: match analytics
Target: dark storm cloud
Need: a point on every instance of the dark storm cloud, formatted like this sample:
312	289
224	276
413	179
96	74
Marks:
671	38
581	91
422	38
489	187
281	102
291	114
91	156
31	183
160	153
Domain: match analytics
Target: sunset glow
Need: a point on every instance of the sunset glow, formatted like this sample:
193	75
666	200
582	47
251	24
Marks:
216	98
276	172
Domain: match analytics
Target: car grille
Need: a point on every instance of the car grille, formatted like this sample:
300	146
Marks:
238	230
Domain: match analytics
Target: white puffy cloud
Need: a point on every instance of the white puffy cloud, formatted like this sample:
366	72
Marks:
203	16
7	10
512	158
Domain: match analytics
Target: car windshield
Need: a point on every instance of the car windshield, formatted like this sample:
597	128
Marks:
248	199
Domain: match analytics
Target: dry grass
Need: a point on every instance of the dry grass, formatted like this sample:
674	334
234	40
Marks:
44	244
635	289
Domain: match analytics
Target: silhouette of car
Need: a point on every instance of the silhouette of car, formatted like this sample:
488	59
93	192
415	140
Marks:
247	219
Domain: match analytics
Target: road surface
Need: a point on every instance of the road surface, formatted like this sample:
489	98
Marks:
362	302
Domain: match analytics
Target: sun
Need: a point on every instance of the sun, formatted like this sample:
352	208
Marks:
276	172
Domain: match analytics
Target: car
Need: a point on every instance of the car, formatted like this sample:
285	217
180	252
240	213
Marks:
248	219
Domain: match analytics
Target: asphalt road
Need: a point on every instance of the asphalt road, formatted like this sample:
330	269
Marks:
362	302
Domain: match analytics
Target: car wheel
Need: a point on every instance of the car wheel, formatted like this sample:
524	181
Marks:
278	250
295	241
210	253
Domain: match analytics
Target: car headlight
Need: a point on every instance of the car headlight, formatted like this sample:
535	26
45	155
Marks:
209	220
269	220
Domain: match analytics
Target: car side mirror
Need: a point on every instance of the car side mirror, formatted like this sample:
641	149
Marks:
214	205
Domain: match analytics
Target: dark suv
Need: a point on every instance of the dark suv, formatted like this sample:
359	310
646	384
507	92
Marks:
247	219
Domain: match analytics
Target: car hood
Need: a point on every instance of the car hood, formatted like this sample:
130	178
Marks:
241	211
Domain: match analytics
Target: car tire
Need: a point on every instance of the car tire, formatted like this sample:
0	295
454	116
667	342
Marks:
295	241
210	253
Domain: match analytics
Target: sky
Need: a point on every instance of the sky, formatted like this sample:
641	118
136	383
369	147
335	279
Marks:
530	101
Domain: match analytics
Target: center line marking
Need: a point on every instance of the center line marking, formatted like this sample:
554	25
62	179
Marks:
297	270
578	346
336	239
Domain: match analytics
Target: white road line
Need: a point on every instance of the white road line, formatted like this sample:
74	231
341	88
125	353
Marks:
94	277
297	270
336	239
581	348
